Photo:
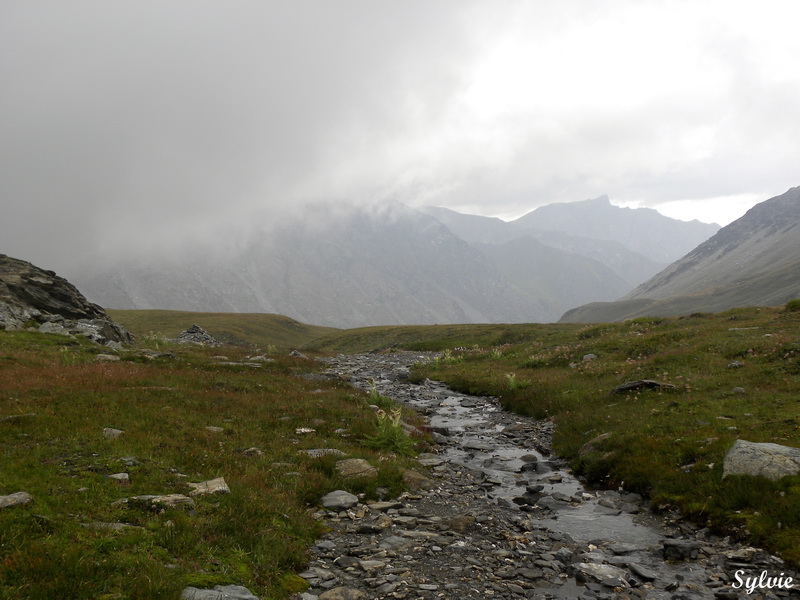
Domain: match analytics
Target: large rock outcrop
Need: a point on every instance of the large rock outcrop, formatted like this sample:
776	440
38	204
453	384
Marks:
34	297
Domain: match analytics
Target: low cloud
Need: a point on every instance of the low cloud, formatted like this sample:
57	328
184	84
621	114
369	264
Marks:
126	124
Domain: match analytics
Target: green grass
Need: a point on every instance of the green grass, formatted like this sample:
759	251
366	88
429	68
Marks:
668	444
260	330
256	536
429	337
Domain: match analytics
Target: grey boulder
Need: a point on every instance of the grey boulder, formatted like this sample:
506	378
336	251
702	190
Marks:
220	592
339	500
772	461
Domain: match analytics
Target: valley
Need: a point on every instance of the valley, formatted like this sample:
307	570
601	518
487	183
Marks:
275	425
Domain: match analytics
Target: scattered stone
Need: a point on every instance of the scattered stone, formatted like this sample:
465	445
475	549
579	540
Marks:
772	461
608	575
675	549
261	358
591	446
212	486
355	467
106	358
343	593
304	430
411	430
120	477
252	365
197	335
165	501
215	429
111	434
478	445
339	500
54	329
415	480
220	592
642	384
13	418
15	499
461	523
642	572
319	452
384	506
109	526
623	548
297	354
741	554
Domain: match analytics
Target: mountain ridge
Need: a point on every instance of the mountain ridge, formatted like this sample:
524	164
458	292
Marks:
755	260
359	266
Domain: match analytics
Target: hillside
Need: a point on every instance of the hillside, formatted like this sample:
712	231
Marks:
253	329
753	261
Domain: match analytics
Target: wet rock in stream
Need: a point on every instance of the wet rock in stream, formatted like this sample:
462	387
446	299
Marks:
502	518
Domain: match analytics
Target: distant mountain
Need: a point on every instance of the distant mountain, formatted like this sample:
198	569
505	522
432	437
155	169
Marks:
753	261
634	244
356	266
362	267
641	230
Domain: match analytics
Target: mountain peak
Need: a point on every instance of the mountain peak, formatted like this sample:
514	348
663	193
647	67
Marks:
644	231
754	261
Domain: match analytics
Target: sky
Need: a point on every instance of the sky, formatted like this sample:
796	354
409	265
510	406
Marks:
126	123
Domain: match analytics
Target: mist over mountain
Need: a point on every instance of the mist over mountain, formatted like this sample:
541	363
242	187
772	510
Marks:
634	244
641	230
356	266
753	261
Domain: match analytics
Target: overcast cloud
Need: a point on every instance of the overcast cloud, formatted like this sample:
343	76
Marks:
126	122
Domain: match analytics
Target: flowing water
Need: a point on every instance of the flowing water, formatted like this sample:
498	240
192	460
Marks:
512	453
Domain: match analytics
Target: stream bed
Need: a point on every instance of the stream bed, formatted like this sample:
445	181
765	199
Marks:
498	516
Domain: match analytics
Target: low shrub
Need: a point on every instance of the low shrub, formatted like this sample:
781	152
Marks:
793	305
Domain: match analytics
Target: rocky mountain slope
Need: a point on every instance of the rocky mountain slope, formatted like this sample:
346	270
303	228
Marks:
390	265
753	261
34	297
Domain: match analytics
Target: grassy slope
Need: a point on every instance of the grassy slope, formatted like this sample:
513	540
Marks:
429	337
255	536
668	444
260	330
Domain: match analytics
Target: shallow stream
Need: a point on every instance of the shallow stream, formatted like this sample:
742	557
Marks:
519	474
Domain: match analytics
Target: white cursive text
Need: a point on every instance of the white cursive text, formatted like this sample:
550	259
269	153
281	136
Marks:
764	580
